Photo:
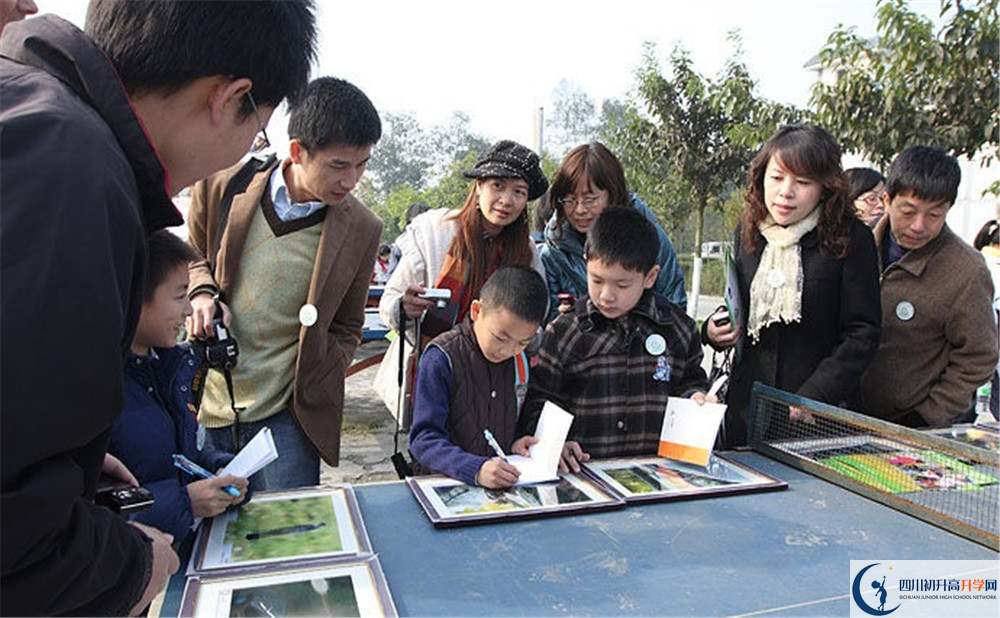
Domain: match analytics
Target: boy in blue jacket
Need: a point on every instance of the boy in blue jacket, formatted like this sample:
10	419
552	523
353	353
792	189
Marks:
473	377
158	419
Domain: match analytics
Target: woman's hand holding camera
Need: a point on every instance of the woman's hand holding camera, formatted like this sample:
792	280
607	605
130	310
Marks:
720	331
413	305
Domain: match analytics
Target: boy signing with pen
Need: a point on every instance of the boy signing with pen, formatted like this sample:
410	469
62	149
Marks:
467	383
158	417
619	355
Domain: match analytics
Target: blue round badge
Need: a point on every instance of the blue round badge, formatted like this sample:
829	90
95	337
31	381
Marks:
656	344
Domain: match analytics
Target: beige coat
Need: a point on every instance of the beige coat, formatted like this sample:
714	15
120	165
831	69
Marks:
338	289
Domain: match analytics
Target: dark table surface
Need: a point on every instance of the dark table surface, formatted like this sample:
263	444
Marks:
781	553
775	553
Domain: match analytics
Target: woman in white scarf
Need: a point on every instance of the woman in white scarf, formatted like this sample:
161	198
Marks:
808	281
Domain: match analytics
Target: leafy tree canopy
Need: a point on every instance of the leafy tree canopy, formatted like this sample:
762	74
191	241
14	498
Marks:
913	85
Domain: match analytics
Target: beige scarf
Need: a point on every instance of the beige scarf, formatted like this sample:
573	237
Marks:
776	289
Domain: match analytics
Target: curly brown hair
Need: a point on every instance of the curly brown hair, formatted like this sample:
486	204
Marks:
809	151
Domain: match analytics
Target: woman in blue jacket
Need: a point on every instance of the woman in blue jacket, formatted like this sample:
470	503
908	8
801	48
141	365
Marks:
590	179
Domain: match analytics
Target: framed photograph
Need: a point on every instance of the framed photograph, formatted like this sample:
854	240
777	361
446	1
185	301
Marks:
278	527
980	437
345	589
892	466
641	479
448	502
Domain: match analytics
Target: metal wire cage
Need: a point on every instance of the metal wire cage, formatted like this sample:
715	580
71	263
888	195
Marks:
952	484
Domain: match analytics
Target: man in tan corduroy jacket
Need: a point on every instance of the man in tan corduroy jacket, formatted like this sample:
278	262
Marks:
938	332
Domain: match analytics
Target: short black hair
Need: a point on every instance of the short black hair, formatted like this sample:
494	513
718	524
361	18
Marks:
623	235
928	173
861	180
989	234
518	289
165	251
333	112
384	249
163	45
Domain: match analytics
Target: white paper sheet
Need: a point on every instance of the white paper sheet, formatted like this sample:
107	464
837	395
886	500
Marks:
255	455
543	461
689	430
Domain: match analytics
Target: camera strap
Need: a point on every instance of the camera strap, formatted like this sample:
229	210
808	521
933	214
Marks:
403	468
237	184
236	411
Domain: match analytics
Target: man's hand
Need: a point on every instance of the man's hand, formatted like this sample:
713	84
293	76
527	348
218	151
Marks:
199	323
801	415
572	455
113	466
497	474
165	564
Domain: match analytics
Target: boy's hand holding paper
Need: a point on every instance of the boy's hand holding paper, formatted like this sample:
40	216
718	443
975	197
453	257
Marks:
690	427
542	464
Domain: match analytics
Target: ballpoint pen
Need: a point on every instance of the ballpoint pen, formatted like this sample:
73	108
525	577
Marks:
493	443
185	464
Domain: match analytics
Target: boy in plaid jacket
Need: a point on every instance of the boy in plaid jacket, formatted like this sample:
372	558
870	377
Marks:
621	353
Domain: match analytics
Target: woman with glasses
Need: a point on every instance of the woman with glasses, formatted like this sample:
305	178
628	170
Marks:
865	189
590	179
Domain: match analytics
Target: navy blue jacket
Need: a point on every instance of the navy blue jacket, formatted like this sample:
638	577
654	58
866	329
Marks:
157	421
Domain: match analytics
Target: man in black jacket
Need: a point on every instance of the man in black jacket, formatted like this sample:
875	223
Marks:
97	133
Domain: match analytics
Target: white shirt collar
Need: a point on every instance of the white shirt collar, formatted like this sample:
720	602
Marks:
283	207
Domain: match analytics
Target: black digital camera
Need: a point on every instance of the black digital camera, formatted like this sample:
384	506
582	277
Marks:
219	350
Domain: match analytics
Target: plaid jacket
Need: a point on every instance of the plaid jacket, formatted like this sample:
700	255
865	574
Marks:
603	372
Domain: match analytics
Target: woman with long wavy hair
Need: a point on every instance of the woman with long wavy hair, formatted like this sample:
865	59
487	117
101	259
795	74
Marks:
459	249
808	281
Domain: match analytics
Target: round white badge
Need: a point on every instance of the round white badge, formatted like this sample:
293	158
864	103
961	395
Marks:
776	278
904	310
656	344
308	314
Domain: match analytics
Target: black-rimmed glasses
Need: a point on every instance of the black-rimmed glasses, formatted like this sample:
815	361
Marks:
571	202
260	142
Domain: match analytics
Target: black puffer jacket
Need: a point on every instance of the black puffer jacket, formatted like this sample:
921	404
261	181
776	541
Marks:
81	186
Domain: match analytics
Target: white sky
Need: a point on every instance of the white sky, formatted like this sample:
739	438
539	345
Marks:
499	62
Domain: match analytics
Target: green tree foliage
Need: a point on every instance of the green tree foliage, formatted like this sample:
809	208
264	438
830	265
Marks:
572	120
403	157
453	143
687	145
914	85
411	164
